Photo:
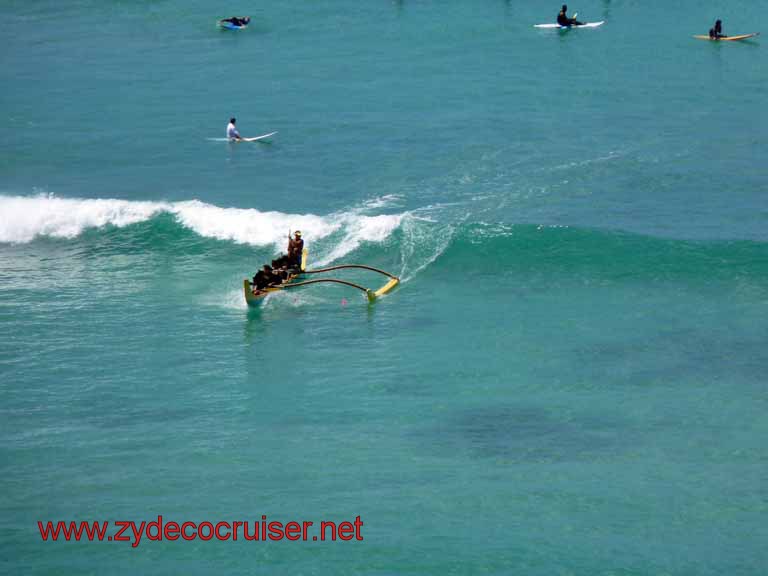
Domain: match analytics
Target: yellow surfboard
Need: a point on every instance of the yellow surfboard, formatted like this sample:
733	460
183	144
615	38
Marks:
727	38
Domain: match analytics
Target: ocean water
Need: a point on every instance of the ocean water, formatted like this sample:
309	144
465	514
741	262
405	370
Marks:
571	377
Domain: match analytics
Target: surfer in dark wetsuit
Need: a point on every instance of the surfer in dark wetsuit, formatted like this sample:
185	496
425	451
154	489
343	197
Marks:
237	21
564	20
717	31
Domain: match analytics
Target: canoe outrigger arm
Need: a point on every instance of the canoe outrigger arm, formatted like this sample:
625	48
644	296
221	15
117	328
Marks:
371	294
254	297
368	292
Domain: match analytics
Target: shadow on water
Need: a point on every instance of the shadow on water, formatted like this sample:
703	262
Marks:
370	312
698	357
525	434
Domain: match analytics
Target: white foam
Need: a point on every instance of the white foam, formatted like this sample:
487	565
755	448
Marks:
231	300
383	202
24	218
423	243
359	229
249	226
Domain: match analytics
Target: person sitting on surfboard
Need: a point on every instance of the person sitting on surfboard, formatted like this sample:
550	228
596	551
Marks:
717	31
564	20
232	132
238	21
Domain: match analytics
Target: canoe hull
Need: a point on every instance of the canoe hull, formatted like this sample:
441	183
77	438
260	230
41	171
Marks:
255	300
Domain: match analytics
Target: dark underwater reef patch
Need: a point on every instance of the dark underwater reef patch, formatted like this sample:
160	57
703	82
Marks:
525	433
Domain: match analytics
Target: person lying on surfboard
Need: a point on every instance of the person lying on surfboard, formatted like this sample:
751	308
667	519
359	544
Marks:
564	20
232	132
717	31
237	20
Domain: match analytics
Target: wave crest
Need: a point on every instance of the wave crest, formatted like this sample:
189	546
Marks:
24	218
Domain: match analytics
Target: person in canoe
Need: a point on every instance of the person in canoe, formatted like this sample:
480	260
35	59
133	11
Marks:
267	277
564	20
263	278
239	21
716	32
293	258
232	132
295	249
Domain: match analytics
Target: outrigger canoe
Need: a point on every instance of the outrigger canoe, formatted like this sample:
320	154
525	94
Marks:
256	297
296	279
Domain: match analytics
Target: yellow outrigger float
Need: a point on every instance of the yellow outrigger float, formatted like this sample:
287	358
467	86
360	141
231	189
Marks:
296	279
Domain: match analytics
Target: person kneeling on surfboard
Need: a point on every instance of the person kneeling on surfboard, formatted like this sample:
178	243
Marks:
564	20
717	31
232	132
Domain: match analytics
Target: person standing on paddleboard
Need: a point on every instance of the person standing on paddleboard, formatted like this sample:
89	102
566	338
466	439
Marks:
232	132
563	20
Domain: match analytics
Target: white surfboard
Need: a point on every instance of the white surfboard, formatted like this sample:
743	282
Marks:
585	25
257	138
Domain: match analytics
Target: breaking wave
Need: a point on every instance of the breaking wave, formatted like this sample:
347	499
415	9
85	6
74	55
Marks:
25	218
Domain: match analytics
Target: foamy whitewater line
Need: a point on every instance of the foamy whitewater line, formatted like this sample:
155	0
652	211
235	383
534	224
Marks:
359	229
24	218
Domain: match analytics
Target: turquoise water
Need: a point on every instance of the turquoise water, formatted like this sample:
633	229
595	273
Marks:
570	378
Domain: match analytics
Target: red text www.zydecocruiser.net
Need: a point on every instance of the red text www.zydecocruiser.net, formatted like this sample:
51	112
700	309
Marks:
156	530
